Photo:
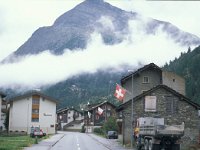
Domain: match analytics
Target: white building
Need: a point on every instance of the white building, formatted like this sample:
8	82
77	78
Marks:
33	109
2	118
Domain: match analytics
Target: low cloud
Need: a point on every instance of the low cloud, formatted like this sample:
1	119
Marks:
45	69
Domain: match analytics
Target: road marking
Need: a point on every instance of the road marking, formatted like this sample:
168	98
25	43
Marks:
78	146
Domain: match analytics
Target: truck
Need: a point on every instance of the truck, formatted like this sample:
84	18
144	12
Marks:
152	134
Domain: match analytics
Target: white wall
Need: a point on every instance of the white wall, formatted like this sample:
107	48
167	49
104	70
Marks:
1	122
47	116
21	113
70	116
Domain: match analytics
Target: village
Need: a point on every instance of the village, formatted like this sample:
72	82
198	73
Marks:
148	95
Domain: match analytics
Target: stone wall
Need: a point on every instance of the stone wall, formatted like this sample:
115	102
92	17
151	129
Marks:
185	113
138	85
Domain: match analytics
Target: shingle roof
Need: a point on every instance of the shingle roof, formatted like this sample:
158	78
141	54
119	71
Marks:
197	106
151	65
30	93
99	104
66	108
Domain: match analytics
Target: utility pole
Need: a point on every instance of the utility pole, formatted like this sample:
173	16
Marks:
132	114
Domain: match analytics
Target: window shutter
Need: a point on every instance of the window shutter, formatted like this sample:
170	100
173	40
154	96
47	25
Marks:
168	104
175	105
150	103
171	104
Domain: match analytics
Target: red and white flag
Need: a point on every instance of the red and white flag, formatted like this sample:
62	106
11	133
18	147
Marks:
120	92
100	111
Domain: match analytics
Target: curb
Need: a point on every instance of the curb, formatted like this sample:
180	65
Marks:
99	142
56	141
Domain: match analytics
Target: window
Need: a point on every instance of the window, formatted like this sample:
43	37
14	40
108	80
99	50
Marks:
108	107
36	101
145	79
108	114
97	117
150	103
35	111
171	104
35	119
144	91
35	108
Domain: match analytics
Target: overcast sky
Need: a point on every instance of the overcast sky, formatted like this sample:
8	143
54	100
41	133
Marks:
19	19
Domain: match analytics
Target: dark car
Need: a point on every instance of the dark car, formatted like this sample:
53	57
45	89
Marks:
112	135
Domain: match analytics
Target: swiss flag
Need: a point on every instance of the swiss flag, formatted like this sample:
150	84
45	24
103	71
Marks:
119	92
100	111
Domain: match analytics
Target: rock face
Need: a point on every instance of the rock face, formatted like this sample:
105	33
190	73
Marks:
72	30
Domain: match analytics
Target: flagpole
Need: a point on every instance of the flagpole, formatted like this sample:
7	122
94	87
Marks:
119	96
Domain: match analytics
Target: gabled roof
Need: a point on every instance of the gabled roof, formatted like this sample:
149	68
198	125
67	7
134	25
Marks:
2	94
151	65
197	106
66	108
62	110
100	104
30	93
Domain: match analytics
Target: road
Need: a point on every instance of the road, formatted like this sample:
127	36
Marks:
82	141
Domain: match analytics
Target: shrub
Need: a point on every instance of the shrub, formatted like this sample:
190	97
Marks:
110	125
83	129
99	131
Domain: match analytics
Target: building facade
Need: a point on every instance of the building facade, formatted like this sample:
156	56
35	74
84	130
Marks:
148	77
33	109
92	117
2	111
69	118
157	93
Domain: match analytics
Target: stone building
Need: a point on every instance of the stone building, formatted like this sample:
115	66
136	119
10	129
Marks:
148	77
157	93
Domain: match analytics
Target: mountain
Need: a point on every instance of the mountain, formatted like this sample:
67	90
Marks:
188	66
86	88
73	30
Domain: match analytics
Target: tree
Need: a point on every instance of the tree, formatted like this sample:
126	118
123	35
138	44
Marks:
110	125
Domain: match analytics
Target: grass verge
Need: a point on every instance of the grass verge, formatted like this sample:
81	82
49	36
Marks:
15	142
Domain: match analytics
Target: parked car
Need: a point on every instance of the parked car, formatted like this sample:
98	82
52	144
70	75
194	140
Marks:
36	131
112	135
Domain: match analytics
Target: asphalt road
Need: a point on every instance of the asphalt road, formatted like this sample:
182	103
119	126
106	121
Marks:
78	141
83	141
